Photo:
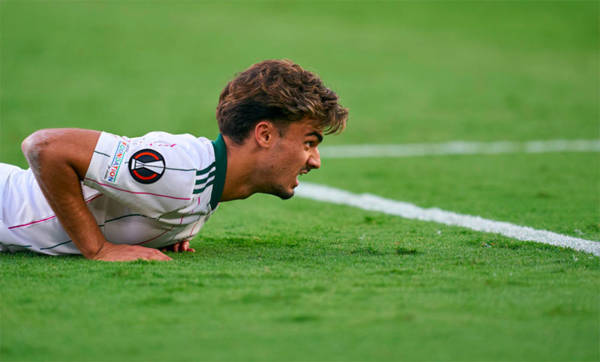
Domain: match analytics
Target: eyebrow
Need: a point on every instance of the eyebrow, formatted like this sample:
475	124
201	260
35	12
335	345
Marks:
316	134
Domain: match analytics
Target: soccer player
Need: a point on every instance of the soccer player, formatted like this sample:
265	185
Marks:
115	198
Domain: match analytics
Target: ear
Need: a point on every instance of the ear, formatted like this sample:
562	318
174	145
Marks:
264	134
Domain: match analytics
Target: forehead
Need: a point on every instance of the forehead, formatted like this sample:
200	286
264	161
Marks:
304	128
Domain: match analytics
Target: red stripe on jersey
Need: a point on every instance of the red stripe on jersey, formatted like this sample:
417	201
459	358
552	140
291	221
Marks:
50	217
139	193
157	236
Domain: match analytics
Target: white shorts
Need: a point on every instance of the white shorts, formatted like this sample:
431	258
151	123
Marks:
5	172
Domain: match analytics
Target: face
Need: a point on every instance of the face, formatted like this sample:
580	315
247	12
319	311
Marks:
293	154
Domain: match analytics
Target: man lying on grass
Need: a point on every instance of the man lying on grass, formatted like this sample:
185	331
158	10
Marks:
115	198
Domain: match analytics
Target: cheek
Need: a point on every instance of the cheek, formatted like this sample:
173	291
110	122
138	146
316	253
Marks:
291	159
290	164
299	159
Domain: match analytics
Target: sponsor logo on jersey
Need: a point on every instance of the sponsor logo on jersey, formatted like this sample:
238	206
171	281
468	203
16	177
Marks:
146	166
115	164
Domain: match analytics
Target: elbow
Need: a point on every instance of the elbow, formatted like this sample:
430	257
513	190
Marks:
35	146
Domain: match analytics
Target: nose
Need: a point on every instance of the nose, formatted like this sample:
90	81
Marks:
314	161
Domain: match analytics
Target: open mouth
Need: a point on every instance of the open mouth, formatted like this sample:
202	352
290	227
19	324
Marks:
302	172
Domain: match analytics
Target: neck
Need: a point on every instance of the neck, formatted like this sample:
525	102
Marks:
241	166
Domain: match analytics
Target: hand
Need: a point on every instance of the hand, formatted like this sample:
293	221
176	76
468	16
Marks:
123	252
180	247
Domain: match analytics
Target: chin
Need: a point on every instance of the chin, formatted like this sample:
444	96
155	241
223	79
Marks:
286	196
282	193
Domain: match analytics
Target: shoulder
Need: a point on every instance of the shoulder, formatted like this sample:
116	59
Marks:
155	172
174	149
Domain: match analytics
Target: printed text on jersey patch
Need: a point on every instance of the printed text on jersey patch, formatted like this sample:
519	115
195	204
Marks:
146	166
115	164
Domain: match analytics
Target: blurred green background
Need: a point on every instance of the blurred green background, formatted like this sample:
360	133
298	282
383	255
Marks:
408	71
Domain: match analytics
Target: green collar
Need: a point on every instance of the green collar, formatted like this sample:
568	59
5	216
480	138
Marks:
221	168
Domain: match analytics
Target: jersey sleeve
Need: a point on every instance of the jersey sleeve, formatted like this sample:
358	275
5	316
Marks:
153	174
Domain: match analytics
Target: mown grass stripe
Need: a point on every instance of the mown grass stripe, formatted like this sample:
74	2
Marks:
411	211
458	148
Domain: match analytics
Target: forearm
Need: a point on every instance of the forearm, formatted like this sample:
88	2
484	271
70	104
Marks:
59	178
59	159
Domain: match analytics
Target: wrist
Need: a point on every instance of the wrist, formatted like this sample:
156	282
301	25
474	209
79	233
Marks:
95	252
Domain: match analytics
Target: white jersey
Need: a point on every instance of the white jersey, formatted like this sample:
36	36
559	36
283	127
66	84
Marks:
154	191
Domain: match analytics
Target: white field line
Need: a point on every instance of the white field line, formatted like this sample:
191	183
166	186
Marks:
410	211
458	148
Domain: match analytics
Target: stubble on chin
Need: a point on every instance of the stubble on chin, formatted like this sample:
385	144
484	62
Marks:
286	196
281	193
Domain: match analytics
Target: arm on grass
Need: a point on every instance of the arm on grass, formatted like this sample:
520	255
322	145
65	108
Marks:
59	159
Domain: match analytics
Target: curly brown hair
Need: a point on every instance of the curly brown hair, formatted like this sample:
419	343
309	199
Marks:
279	91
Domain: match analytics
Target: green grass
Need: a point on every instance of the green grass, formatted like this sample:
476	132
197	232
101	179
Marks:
289	284
555	191
303	280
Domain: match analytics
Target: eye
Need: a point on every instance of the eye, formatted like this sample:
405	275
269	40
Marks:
311	143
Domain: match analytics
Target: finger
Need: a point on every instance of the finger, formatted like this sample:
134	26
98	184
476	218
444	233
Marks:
132	252
176	247
186	245
160	256
152	254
